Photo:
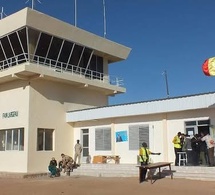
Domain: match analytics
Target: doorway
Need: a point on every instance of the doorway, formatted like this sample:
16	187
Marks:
204	129
85	144
196	127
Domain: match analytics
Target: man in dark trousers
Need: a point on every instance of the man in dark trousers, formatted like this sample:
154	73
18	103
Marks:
195	149
144	153
177	147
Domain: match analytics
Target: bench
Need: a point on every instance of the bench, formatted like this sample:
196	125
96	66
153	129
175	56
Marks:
154	166
106	159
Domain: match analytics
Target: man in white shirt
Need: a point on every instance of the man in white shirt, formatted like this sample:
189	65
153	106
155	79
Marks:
210	147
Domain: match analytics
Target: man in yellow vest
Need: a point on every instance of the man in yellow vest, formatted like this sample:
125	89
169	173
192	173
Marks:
144	153
177	147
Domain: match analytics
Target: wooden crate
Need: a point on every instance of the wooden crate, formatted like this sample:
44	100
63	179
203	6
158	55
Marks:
99	159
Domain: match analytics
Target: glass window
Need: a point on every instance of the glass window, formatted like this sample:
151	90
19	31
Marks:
190	131
15	140
85	130
196	127
9	140
7	47
2	140
15	43
204	122
45	139
12	139
190	123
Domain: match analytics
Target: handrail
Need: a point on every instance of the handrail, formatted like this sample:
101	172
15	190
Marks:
60	67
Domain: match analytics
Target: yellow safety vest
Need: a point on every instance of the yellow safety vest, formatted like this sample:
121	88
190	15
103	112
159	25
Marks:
177	142
142	152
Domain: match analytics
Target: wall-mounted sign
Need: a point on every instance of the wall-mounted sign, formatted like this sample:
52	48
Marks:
121	136
10	114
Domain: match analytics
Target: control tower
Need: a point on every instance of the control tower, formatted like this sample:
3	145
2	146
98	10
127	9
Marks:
49	67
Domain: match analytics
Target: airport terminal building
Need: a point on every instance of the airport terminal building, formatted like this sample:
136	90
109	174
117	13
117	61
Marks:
54	89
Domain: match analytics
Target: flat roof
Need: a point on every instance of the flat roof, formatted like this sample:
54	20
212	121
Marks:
167	105
27	17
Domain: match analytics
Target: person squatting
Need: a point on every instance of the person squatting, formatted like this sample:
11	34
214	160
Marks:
66	164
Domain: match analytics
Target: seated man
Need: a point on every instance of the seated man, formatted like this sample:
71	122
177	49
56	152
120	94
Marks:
53	167
67	163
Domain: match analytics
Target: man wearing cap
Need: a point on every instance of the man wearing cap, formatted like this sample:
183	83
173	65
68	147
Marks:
177	147
67	163
144	153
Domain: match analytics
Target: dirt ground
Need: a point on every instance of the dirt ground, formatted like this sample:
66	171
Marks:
103	186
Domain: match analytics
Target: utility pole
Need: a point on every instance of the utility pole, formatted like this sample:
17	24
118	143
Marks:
166	82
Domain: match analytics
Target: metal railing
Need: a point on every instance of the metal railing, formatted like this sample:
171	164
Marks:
60	67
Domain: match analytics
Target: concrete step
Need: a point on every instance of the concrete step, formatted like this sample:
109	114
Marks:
130	170
127	170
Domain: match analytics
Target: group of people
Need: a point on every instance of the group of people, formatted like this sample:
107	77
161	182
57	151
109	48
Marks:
67	163
199	149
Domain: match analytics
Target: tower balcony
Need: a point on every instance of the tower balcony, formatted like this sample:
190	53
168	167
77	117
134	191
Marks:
27	67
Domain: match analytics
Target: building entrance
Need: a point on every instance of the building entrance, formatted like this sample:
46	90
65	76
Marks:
85	144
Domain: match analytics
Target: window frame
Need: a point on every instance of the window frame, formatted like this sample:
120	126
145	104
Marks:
13	139
103	142
43	133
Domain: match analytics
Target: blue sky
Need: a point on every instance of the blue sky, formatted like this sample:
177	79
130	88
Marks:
172	35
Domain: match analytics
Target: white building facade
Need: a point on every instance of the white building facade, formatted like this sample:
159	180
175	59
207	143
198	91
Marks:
155	122
54	89
48	67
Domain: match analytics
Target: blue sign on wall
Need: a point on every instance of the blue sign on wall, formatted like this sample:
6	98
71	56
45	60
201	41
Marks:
121	136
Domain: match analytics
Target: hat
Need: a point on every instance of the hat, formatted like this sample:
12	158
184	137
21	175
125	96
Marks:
144	144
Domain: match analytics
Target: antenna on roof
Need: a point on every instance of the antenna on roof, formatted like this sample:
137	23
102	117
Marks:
166	81
75	7
33	3
104	17
2	13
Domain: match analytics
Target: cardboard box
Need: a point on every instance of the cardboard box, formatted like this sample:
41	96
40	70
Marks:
99	159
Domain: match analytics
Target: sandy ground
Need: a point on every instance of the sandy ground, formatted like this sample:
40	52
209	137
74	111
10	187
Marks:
103	186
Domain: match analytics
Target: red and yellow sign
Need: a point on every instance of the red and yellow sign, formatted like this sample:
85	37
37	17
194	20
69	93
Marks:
208	67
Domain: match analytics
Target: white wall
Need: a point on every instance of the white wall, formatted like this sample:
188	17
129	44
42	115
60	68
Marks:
14	97
162	129
49	103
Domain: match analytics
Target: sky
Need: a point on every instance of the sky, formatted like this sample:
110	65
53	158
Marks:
175	36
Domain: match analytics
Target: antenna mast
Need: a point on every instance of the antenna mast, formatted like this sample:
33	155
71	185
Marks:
2	13
33	3
166	81
104	17
75	7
